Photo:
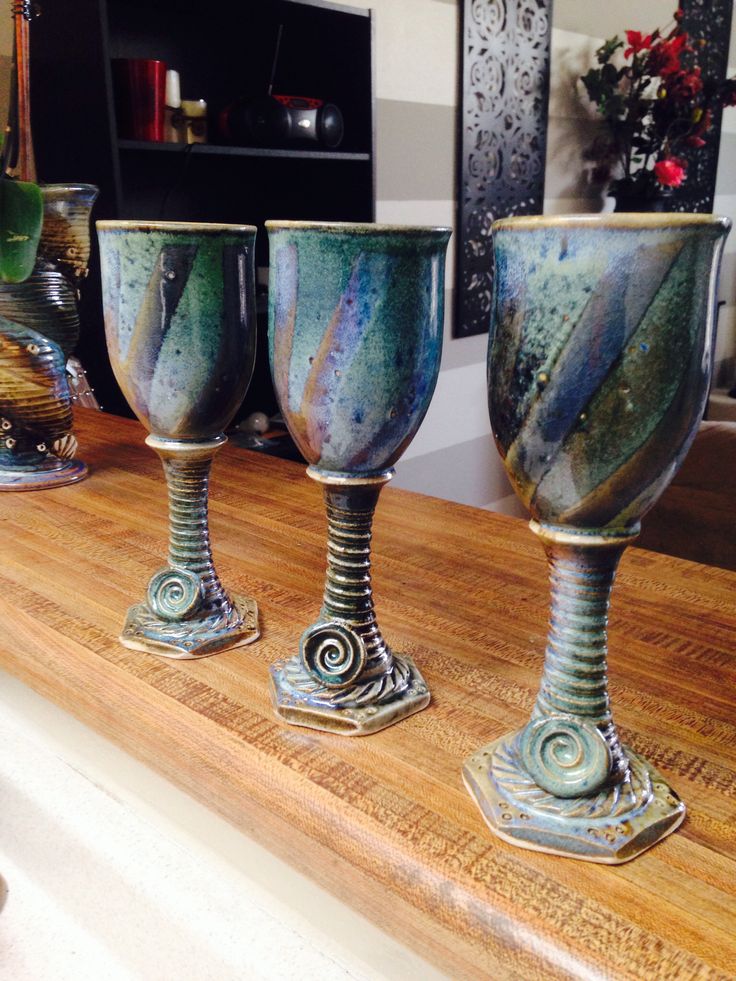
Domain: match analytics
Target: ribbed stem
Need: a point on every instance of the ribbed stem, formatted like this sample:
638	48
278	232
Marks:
348	594
187	468
575	680
189	536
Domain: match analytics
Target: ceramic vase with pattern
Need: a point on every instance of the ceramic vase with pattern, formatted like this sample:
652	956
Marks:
179	305
355	335
39	329
598	372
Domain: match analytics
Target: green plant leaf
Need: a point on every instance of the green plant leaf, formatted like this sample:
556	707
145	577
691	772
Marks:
593	85
609	76
21	218
608	49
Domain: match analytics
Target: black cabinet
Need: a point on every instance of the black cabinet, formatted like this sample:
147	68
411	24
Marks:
223	51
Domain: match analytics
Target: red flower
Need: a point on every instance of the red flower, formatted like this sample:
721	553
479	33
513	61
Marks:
695	141
679	14
664	57
637	42
684	85
670	172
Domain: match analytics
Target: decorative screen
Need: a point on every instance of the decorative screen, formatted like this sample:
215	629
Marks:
505	88
708	21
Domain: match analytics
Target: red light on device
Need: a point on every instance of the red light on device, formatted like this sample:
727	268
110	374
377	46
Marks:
299	102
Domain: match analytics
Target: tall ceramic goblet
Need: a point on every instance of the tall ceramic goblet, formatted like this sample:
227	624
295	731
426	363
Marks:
355	317
599	363
179	304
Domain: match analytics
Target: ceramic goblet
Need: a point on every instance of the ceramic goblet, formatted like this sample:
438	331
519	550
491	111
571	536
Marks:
598	371
355	336
179	305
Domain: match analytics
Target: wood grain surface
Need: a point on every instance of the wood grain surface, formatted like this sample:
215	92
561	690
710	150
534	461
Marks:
384	822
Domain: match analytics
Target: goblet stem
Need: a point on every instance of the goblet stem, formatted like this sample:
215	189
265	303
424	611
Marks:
187	473
188	613
574	681
348	592
346	678
564	783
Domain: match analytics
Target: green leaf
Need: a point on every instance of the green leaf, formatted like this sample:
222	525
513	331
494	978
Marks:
609	75
616	106
21	218
597	92
608	49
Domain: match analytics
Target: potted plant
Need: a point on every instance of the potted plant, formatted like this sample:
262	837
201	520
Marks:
654	102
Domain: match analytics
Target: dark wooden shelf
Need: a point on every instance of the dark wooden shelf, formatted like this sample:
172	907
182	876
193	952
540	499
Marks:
326	51
211	149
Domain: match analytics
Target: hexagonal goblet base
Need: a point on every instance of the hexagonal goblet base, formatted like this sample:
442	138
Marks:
611	827
187	640
44	478
300	700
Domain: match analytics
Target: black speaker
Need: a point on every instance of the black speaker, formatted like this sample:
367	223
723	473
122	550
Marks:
282	119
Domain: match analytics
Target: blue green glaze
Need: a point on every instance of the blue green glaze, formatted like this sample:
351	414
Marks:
598	370
356	316
179	319
599	359
179	304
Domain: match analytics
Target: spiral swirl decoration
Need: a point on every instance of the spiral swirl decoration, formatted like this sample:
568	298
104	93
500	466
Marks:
332	653
565	756
175	594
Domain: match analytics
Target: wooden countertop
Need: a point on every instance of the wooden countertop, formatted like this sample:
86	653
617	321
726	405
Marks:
384	821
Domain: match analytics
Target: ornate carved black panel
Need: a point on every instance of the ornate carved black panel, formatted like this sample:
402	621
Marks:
505	88
709	21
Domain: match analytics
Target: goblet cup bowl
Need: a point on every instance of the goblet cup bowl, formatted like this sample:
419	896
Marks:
598	369
179	305
356	319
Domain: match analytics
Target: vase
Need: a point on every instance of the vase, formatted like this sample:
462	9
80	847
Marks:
179	309
649	200
355	338
599	364
39	329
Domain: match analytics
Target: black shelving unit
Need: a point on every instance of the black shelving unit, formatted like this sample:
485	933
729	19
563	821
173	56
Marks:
211	149
222	51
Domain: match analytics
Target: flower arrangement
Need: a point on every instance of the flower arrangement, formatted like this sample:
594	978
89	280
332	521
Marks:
655	102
